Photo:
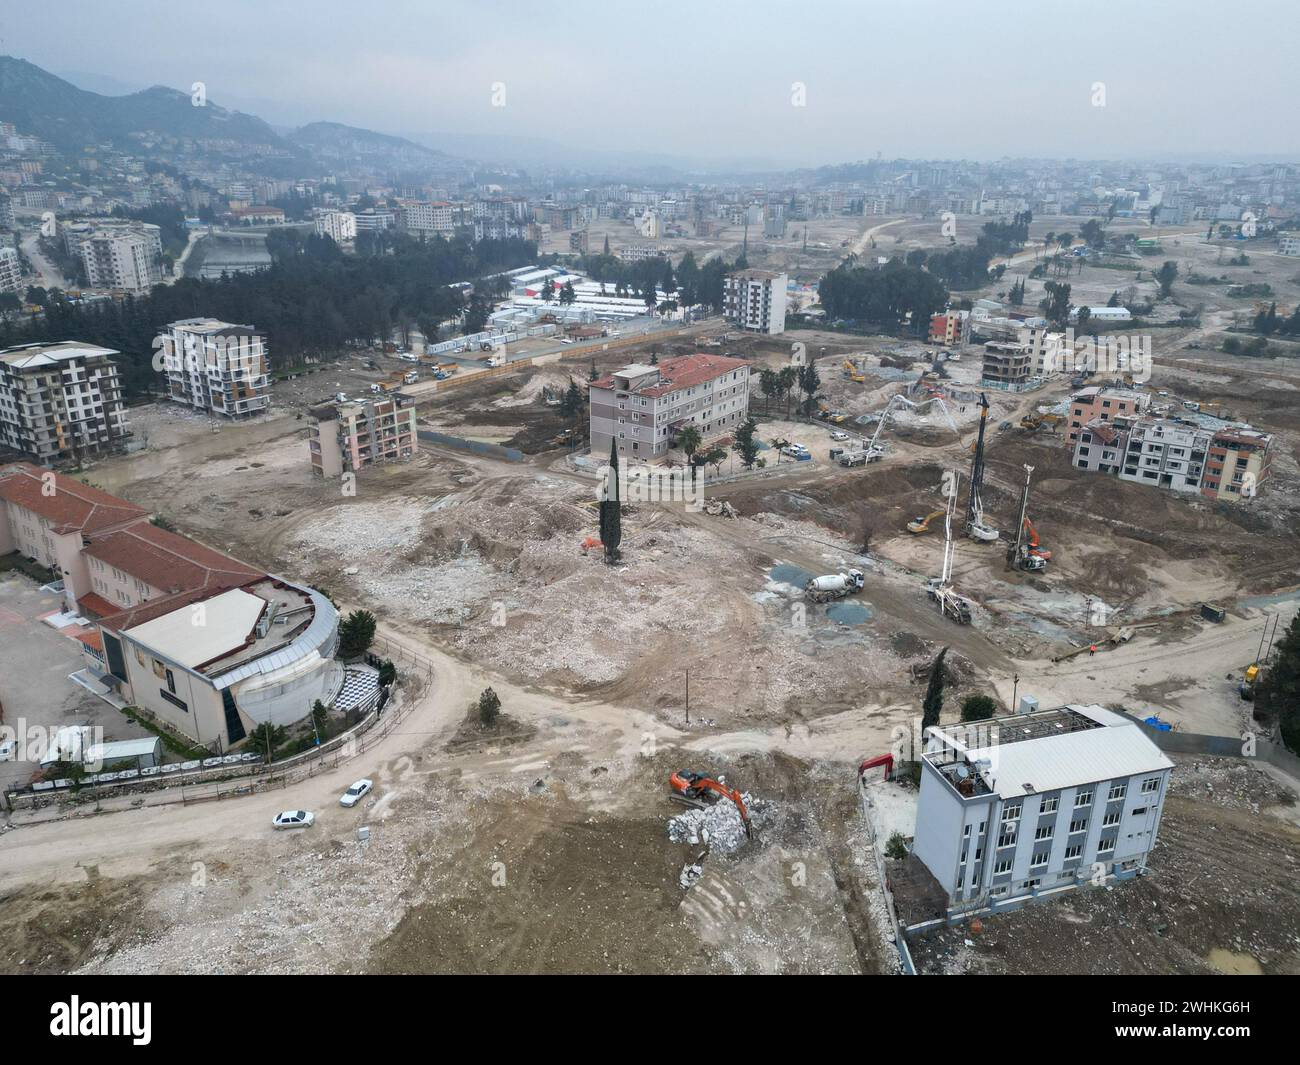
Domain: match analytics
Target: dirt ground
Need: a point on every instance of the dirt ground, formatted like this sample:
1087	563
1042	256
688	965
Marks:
545	848
1219	896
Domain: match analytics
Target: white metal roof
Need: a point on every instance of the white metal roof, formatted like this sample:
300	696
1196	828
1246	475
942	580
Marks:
123	749
190	637
1118	750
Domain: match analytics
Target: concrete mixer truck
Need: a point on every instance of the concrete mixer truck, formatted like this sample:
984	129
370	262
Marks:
834	586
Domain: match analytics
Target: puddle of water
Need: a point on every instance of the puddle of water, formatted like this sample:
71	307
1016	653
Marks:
785	573
1234	963
849	613
1277	599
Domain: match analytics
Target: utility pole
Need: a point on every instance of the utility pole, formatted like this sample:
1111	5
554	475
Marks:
688	696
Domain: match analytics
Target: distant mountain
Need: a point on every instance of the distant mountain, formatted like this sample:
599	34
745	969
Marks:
333	142
55	110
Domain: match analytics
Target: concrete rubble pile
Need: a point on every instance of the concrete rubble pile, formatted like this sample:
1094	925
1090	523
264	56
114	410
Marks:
720	508
718	825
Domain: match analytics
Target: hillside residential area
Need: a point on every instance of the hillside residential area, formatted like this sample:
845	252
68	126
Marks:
557	509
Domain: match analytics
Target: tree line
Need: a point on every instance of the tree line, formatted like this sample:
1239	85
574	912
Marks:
311	303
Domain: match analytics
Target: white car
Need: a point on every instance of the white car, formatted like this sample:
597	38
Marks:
8	751
356	793
294	819
406	356
838	435
794	450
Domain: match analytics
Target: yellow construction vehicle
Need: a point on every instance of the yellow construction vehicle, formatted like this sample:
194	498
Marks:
852	372
920	525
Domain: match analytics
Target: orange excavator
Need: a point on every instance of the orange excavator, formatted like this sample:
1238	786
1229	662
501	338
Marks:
695	789
1032	540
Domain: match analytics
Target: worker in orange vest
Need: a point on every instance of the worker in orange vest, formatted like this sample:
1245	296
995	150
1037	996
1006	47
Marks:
1092	650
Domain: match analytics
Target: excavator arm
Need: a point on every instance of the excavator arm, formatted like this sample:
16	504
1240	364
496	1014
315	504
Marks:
694	785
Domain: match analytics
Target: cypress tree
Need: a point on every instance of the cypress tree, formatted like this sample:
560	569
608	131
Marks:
933	705
611	531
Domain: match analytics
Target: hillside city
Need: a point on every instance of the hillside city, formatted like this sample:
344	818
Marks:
516	555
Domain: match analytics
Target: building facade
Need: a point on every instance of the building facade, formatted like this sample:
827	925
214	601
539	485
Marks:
61	401
351	436
1044	801
339	226
950	328
127	259
1102	404
216	367
1008	365
644	407
11	271
755	300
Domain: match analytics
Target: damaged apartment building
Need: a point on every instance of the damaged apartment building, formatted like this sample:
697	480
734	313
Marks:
645	407
1231	462
216	367
350	435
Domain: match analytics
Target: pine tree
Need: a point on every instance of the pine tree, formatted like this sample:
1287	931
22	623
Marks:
1277	697
932	707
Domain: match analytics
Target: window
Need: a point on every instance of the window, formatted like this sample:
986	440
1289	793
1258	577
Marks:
1106	845
1039	859
1003	866
1110	819
1139	811
1045	832
1050	805
1007	838
966	832
1011	811
1151	785
1084	798
1117	791
1078	826
1073	851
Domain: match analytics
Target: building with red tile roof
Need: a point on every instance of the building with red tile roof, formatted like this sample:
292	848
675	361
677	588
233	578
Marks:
644	407
206	644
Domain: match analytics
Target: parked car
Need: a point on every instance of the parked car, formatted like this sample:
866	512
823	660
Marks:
407	356
356	793
294	819
567	340
839	434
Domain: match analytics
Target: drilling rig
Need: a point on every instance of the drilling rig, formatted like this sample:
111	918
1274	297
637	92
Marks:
976	527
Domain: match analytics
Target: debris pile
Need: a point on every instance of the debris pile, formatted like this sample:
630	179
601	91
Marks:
718	825
719	508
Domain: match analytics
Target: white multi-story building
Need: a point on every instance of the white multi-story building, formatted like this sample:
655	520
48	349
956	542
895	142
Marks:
1289	244
428	216
61	401
1035	803
6	212
126	258
755	300
339	226
372	220
11	272
645	407
1166	453
216	367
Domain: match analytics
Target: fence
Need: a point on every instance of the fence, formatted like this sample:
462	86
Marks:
1220	747
204	783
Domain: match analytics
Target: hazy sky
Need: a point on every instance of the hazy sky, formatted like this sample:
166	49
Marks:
713	78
